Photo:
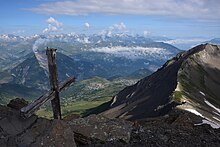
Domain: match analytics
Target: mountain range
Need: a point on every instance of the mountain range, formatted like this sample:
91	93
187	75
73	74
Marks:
15	48
214	41
113	57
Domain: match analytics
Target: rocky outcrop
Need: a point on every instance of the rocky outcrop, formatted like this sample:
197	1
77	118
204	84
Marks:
57	134
34	131
177	128
102	129
17	103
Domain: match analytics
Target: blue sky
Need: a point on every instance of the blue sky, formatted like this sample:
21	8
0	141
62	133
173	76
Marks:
171	18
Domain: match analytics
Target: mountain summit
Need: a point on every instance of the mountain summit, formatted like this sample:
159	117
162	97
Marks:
189	81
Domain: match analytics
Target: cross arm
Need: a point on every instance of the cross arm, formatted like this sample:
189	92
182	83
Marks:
28	110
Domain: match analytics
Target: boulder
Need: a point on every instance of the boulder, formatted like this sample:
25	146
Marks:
101	128
33	131
17	103
58	134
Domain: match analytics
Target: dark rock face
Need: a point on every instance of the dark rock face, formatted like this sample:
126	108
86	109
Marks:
34	131
175	135
175	129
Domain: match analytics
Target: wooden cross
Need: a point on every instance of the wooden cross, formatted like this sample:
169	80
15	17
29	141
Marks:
53	94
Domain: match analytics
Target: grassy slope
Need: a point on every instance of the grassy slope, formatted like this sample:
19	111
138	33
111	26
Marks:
78	99
78	107
95	88
11	91
87	94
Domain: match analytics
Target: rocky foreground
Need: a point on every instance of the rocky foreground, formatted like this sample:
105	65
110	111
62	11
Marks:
175	129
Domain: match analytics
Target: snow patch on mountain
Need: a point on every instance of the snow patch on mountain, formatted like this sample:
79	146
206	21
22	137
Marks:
135	52
202	93
194	111
8	38
205	120
211	105
213	125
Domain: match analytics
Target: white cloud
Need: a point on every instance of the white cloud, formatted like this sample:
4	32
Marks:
146	33
115	28
52	21
198	9
53	25
118	27
87	25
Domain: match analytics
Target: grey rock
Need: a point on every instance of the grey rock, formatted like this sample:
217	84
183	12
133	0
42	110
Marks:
34	131
102	128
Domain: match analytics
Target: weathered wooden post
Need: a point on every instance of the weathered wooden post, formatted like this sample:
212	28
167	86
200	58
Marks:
51	56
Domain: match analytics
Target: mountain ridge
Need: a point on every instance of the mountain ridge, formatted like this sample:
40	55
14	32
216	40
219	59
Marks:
154	95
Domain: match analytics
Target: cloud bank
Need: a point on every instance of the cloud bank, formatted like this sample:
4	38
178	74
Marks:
135	52
198	9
